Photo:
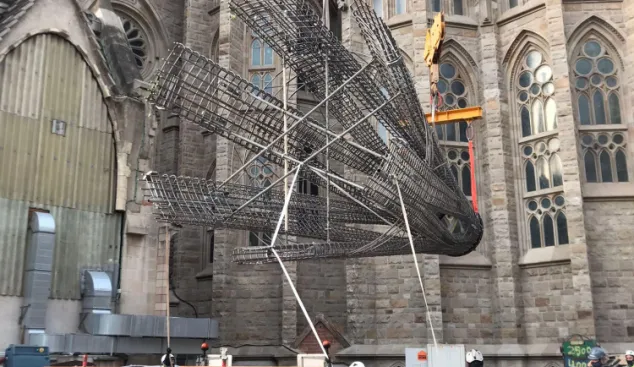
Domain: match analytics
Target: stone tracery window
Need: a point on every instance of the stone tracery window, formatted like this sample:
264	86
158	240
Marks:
260	174
453	137
378	7
604	157
542	172
137	40
143	40
453	87
597	89
547	222
597	86
400	7
538	111
458	8
261	64
435	5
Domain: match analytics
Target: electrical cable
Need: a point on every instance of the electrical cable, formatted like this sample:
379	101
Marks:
171	275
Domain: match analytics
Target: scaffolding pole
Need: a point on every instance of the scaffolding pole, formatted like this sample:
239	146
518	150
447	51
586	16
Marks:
296	124
326	16
285	101
313	155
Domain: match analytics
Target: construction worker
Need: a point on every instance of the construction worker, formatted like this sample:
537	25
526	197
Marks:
597	357
475	358
629	357
357	364
171	361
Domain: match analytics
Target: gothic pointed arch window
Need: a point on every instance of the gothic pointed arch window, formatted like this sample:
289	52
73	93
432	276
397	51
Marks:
596	85
261	64
260	174
400	7
535	115
455	92
377	5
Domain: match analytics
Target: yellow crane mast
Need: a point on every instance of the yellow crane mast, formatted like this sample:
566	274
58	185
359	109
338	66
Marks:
433	47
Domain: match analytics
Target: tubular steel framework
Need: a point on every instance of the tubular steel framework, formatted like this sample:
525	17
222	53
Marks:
354	219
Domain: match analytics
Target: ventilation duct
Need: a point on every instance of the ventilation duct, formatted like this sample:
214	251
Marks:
73	344
37	273
96	292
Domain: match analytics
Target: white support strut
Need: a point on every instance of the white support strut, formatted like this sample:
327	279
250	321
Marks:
279	260
411	242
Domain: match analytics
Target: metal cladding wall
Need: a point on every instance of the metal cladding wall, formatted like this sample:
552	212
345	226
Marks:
72	176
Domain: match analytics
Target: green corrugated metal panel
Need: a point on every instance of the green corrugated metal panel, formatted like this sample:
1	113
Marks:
73	176
22	78
76	170
83	239
13	225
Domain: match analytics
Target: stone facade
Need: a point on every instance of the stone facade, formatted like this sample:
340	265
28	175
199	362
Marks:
507	298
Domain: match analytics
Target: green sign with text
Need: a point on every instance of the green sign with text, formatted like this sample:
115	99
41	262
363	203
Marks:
576	352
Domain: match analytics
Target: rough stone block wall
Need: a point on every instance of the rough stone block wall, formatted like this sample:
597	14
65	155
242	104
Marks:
549	303
466	306
360	273
258	307
508	32
611	256
361	301
187	264
403	36
168	146
193	159
575	13
400	310
171	14
322	284
322	287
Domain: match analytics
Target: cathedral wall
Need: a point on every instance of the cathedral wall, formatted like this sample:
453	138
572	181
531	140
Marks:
575	13
322	287
549	303
466	306
400	310
610	233
509	29
258	308
360	301
185	151
402	34
171	13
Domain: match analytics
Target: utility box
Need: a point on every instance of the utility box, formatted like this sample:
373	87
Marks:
446	355
26	356
416	357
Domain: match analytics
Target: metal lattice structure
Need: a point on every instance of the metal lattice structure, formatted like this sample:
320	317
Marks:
355	219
